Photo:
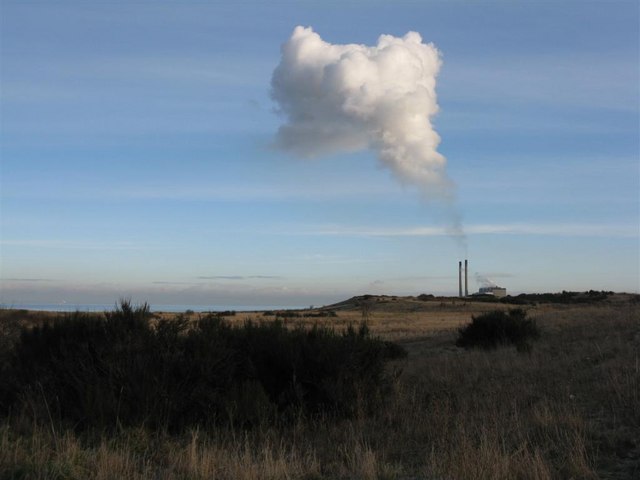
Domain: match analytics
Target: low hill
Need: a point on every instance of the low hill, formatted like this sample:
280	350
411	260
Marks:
425	302
399	304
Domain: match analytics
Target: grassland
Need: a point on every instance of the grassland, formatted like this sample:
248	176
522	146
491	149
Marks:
569	408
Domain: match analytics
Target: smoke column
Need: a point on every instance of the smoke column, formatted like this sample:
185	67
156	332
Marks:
338	98
485	281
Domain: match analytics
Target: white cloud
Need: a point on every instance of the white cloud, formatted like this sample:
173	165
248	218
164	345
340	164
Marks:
341	98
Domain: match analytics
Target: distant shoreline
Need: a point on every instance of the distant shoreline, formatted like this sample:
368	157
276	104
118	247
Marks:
70	307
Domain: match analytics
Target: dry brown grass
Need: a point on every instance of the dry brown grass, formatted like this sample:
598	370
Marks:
401	318
568	409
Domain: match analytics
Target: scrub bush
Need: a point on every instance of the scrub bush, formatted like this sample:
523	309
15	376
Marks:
498	328
124	369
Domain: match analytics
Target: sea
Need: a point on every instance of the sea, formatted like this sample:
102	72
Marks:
101	307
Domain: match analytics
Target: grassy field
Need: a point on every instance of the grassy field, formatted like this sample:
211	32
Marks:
568	408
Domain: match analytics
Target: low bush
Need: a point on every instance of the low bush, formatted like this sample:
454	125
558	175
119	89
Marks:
564	297
425	297
497	328
288	314
222	313
124	369
320	314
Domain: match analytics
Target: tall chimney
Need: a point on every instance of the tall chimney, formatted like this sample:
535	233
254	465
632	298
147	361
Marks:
460	279
466	278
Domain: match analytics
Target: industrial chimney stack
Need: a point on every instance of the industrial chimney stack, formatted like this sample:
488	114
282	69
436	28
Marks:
466	278
460	279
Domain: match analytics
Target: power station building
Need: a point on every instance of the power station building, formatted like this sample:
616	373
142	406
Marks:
495	291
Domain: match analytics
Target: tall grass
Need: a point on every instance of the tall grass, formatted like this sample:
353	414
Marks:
568	409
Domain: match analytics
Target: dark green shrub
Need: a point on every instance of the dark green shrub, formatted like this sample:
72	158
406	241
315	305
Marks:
320	314
493	329
90	369
221	313
125	369
287	314
564	297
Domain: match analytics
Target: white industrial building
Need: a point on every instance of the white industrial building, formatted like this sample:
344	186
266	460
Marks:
495	291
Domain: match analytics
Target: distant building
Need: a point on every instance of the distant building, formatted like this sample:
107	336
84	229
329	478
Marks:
495	291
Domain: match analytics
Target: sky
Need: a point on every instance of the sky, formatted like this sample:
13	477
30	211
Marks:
140	155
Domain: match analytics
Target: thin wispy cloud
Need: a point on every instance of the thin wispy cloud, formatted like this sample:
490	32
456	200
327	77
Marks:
72	244
233	193
508	119
240	277
547	80
168	72
250	192
559	230
326	259
425	277
27	280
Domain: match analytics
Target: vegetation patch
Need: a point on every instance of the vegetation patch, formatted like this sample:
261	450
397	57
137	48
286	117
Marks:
569	409
497	328
127	369
564	297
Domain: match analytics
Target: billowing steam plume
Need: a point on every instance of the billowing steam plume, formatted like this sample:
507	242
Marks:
349	97
485	281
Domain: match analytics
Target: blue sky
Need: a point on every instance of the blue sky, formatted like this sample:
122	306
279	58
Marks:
137	155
